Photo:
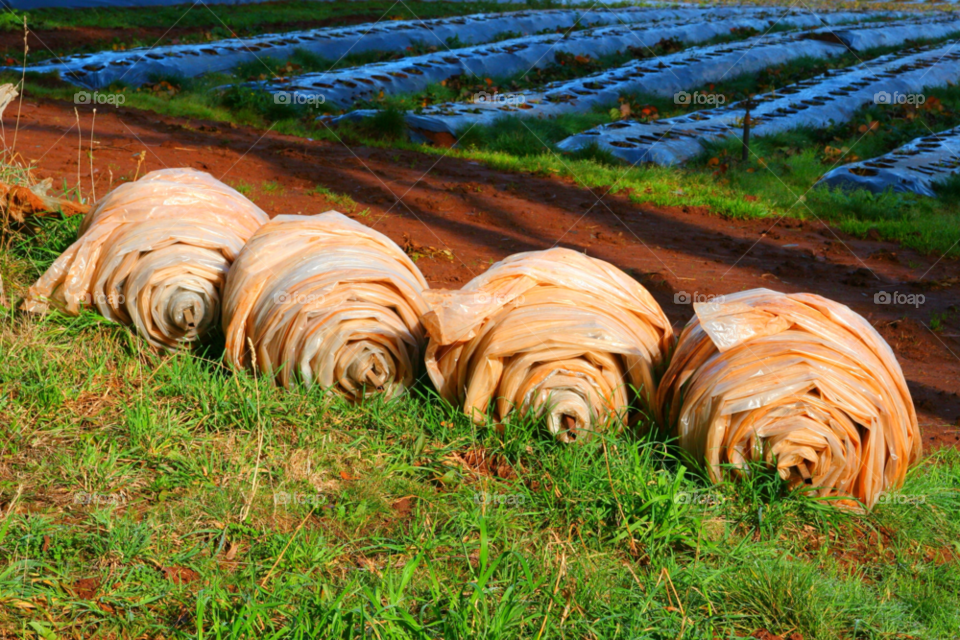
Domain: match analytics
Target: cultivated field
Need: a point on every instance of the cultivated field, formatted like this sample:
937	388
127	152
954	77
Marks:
147	493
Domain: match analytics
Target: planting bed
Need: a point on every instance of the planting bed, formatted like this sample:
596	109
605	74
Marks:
915	167
831	98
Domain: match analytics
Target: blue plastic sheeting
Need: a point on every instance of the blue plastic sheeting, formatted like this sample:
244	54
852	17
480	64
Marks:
343	87
663	76
817	102
136	66
915	167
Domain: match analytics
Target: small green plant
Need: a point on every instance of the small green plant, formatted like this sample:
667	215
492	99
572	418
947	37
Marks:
11	20
273	188
339	200
936	321
243	187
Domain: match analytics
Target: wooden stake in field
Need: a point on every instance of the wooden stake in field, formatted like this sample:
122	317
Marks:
748	104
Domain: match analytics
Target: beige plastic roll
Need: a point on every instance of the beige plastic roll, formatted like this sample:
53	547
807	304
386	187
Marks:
551	333
795	381
325	300
153	253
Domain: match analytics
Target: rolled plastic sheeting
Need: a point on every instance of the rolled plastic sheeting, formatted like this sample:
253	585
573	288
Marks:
795	381
821	101
663	76
343	87
915	167
137	66
154	253
325	300
547	332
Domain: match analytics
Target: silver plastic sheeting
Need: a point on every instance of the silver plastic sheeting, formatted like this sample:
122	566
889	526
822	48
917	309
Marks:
343	87
664	76
817	102
915	167
136	66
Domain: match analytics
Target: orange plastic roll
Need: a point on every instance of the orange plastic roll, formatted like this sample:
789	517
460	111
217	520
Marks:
153	253
795	381
325	300
553	333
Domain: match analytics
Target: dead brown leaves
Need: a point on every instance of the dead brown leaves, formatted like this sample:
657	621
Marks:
18	203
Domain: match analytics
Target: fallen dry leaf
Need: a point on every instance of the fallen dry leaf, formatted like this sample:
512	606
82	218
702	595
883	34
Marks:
19	203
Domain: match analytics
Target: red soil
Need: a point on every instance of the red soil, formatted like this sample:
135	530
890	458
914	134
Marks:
433	205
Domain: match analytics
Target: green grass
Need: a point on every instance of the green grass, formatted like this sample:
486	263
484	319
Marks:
125	471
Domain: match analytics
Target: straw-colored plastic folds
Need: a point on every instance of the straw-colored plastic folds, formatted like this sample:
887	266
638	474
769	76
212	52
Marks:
325	300
548	332
795	381
153	253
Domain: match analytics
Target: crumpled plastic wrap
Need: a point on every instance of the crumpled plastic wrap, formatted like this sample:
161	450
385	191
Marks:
325	300
547	332
153	253
795	381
